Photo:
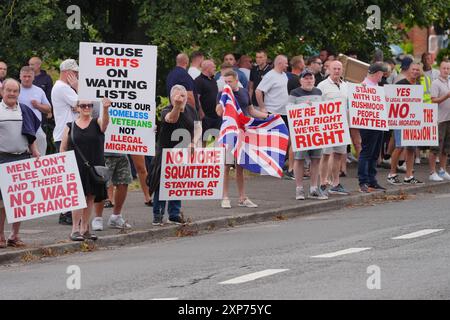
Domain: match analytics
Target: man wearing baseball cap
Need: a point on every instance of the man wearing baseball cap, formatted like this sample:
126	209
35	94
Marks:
64	99
371	140
307	93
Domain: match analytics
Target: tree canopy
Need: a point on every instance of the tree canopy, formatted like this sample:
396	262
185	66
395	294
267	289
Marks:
293	27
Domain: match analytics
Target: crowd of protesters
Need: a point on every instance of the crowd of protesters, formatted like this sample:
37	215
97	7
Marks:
53	119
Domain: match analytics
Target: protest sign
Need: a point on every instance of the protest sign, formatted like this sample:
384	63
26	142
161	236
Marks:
427	134
192	174
367	108
37	188
318	125
405	106
126	74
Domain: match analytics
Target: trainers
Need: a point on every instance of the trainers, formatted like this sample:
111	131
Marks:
412	180
247	203
364	188
176	220
299	193
157	221
316	194
417	161
351	158
323	189
376	187
394	180
226	204
339	189
435	177
444	174
288	175
97	224
402	168
108	204
118	222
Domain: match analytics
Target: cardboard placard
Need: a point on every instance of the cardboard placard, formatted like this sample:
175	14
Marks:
34	189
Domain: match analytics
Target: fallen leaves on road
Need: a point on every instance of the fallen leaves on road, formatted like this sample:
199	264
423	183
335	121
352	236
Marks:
280	217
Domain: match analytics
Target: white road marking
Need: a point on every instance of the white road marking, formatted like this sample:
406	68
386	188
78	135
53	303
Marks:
417	234
442	196
341	252
253	276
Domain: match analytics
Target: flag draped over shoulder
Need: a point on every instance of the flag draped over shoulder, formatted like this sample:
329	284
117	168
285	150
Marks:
258	145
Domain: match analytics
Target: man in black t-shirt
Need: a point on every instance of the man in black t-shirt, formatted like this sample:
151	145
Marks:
178	115
206	87
257	73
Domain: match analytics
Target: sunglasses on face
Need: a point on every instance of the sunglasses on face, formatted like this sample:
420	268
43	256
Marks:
86	105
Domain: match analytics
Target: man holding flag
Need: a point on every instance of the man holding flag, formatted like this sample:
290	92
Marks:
257	145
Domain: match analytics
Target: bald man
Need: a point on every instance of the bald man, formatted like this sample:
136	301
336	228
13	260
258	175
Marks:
206	88
179	75
333	87
41	78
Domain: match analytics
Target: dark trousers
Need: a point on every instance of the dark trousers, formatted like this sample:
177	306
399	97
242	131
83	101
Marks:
371	141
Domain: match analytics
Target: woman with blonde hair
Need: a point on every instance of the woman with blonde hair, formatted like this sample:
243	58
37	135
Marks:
87	140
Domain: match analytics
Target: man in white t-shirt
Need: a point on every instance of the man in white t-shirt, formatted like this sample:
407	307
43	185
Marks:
333	88
34	98
64	98
272	96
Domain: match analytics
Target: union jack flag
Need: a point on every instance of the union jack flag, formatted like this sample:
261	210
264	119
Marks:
258	145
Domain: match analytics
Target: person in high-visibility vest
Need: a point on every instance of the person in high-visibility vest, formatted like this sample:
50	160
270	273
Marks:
425	81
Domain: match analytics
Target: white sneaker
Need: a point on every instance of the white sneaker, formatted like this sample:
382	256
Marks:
435	177
417	161
299	193
247	203
118	222
226	204
402	168
97	224
444	174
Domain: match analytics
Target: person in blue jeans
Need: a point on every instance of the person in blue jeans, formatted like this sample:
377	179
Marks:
178	115
371	141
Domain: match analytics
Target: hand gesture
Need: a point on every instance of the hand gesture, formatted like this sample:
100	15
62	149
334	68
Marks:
106	103
72	80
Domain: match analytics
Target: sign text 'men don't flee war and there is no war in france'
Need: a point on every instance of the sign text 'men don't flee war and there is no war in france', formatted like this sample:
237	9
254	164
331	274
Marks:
37	188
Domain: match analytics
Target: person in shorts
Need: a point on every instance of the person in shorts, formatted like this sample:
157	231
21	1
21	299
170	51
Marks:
307	93
121	177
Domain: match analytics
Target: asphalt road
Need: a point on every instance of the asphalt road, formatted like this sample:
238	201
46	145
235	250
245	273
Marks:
335	255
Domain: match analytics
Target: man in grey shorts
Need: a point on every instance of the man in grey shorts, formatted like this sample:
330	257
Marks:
121	177
307	93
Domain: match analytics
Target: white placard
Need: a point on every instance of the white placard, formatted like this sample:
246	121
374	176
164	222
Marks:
318	125
404	103
427	134
126	74
34	189
367	107
192	174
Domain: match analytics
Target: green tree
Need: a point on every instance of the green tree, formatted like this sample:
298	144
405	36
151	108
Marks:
35	27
